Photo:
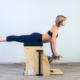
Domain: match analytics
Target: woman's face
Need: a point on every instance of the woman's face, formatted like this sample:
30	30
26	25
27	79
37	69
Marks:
63	23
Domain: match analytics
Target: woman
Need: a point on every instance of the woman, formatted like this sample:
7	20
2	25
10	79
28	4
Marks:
50	36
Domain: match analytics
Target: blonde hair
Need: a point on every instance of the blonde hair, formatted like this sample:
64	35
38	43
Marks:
59	19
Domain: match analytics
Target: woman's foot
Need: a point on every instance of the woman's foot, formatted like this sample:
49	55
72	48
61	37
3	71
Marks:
2	39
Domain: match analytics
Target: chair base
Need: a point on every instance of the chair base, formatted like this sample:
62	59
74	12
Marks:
36	66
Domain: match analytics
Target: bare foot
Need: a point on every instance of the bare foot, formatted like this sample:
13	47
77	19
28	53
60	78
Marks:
2	39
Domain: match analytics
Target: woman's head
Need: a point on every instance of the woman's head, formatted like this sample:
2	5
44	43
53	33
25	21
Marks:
60	20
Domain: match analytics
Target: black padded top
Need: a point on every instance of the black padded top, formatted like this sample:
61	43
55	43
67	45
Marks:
50	33
33	44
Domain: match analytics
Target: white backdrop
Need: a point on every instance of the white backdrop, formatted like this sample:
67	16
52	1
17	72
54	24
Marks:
23	17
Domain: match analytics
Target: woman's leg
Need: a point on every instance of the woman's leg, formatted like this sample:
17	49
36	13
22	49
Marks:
13	38
22	38
34	37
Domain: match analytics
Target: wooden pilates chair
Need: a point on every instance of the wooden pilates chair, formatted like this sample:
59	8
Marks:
37	63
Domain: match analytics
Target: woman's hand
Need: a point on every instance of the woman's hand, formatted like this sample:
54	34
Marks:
58	55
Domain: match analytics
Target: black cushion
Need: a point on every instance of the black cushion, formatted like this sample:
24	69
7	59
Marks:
33	44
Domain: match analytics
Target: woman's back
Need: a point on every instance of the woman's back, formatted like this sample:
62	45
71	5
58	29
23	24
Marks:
47	37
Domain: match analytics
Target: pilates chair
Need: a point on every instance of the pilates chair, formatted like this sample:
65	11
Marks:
37	63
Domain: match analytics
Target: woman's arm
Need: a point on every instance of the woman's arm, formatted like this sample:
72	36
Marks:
51	46
55	31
